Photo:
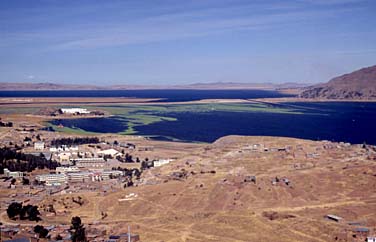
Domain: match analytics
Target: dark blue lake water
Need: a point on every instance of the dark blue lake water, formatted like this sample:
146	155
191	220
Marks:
335	121
167	95
97	125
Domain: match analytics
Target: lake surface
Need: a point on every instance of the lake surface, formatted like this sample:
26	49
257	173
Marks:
335	121
96	125
167	95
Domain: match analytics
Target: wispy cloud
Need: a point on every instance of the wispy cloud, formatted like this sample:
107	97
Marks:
169	23
331	2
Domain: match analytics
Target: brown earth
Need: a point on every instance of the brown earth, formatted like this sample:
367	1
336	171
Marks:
204	195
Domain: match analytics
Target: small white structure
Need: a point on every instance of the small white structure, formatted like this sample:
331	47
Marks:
13	174
74	110
158	163
333	217
110	152
129	197
39	145
371	239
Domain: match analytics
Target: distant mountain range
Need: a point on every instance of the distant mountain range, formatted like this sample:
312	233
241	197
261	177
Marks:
357	85
205	86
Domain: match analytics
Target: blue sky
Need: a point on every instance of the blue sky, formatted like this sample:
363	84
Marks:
181	42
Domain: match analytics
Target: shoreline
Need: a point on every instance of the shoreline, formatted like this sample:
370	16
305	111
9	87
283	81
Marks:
51	101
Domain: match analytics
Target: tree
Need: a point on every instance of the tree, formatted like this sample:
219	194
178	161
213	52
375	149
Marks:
43	233
39	229
24	212
25	181
77	230
14	209
33	213
27	139
30	212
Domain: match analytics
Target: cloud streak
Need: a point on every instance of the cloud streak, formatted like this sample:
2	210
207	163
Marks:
172	26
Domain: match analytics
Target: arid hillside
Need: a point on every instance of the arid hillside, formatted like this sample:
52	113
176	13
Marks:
244	189
360	84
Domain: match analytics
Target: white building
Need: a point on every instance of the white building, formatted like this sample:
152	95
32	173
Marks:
52	179
110	152
89	162
65	169
158	163
74	110
14	174
39	145
64	148
114	173
64	158
81	176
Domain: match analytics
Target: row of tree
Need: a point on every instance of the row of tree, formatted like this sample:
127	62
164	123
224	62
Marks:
16	210
127	158
18	161
77	231
75	141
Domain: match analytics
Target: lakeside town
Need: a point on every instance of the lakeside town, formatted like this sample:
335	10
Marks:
188	121
55	185
35	165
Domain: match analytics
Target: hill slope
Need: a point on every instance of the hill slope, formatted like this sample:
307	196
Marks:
207	195
360	84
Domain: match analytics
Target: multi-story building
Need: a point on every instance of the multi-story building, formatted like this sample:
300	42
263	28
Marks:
52	179
66	169
14	174
110	173
89	162
81	176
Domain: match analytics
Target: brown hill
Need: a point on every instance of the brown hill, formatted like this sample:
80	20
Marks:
360	84
209	194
